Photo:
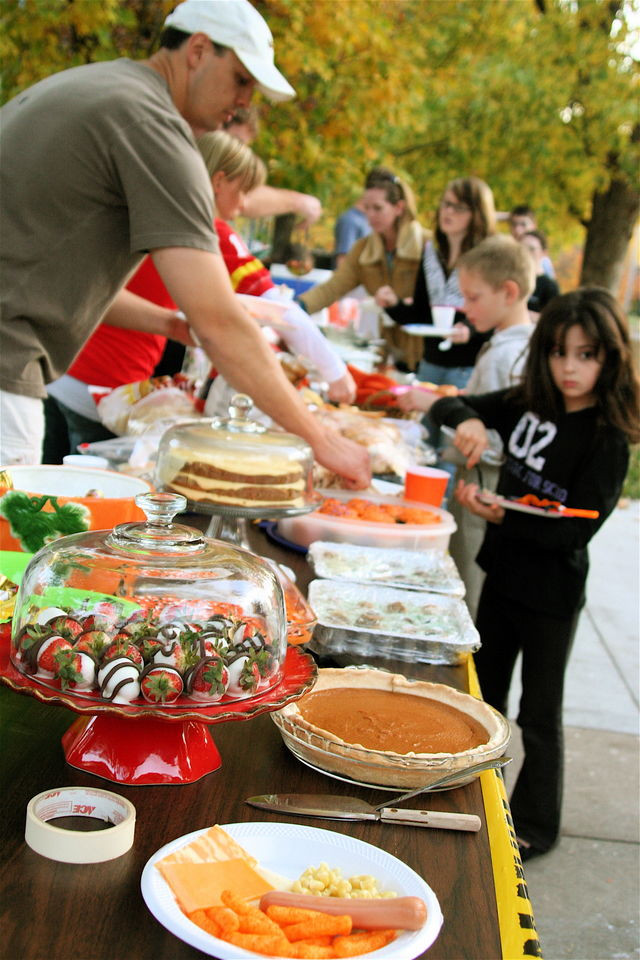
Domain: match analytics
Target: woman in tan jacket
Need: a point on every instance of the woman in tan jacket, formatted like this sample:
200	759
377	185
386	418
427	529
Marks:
390	256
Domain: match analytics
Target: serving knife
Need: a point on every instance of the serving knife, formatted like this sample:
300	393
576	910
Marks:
350	808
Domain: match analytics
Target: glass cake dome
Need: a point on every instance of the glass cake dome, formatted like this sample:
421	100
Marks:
150	612
236	464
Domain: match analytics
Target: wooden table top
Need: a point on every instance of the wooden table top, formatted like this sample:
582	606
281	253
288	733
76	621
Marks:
61	911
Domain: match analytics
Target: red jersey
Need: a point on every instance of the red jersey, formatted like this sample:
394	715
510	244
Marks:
246	272
115	355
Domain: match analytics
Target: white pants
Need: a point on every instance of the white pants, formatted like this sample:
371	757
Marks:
21	429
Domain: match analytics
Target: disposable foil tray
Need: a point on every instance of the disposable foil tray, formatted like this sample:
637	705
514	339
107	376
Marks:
361	621
433	570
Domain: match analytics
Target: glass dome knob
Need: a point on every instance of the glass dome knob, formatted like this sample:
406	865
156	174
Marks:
161	508
240	406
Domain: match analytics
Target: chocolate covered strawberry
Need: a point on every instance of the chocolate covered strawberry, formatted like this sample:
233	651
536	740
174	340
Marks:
244	676
75	669
173	631
160	684
171	654
108	610
119	680
29	635
49	613
266	662
122	647
139	626
207	680
42	655
66	626
94	642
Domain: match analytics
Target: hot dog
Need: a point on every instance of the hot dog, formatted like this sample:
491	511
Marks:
398	913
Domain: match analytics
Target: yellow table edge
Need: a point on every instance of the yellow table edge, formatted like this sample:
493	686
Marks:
518	935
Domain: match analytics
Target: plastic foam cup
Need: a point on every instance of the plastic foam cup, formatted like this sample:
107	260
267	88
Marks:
443	317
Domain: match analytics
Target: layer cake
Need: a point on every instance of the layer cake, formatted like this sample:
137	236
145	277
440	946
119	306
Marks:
269	480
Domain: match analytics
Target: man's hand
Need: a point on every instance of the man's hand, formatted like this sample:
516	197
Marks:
350	460
199	284
266	201
467	495
472	440
342	390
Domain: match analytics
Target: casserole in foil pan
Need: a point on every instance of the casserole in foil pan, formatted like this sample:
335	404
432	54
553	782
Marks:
360	621
433	570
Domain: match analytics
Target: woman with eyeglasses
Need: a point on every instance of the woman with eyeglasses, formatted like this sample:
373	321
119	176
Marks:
389	256
465	216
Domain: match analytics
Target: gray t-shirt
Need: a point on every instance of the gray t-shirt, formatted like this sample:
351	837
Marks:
97	168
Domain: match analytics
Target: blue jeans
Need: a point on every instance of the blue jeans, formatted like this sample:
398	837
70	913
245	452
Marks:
457	377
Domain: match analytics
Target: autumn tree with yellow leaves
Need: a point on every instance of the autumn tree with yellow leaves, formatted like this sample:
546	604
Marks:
538	97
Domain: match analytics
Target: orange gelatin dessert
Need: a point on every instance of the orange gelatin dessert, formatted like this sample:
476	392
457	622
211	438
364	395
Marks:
360	509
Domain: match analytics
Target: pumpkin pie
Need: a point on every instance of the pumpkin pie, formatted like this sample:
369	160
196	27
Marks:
382	728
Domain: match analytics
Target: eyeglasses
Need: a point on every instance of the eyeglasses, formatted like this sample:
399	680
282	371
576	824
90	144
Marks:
456	207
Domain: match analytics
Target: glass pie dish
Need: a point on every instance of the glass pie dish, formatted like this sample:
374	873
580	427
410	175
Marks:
384	768
150	613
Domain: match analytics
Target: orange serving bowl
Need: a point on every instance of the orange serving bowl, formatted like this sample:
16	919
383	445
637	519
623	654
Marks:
41	503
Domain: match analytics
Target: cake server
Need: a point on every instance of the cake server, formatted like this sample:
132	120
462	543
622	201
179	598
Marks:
350	808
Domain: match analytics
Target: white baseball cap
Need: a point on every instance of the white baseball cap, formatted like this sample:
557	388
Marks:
238	25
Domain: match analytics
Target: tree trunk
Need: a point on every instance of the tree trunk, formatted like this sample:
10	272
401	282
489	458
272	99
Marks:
613	215
282	229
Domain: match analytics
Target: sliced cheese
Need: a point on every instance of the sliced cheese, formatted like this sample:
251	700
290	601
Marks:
197	886
215	844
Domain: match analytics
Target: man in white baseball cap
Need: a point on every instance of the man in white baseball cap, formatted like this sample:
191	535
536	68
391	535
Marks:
124	178
236	24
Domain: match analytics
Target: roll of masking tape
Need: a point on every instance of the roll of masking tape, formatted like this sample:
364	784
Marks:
74	846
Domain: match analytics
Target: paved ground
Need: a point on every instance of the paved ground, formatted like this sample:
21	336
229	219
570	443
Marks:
585	893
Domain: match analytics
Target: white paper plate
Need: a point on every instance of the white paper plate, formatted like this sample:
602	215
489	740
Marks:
424	330
494	498
288	849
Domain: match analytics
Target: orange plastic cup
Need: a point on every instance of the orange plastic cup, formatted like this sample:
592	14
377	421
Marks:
426	484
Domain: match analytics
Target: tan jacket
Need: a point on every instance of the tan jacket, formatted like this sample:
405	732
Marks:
366	264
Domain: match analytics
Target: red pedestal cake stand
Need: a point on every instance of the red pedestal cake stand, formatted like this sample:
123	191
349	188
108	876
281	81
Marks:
140	744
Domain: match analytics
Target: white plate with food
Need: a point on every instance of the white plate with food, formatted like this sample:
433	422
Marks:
288	850
545	508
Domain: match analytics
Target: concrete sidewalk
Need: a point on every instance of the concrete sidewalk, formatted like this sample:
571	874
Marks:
585	893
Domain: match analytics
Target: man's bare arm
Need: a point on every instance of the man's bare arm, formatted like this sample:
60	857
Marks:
199	283
266	201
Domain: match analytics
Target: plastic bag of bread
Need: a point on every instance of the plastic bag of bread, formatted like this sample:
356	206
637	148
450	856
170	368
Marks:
388	444
133	407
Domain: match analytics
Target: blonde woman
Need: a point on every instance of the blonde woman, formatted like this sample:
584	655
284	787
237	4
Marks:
235	171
